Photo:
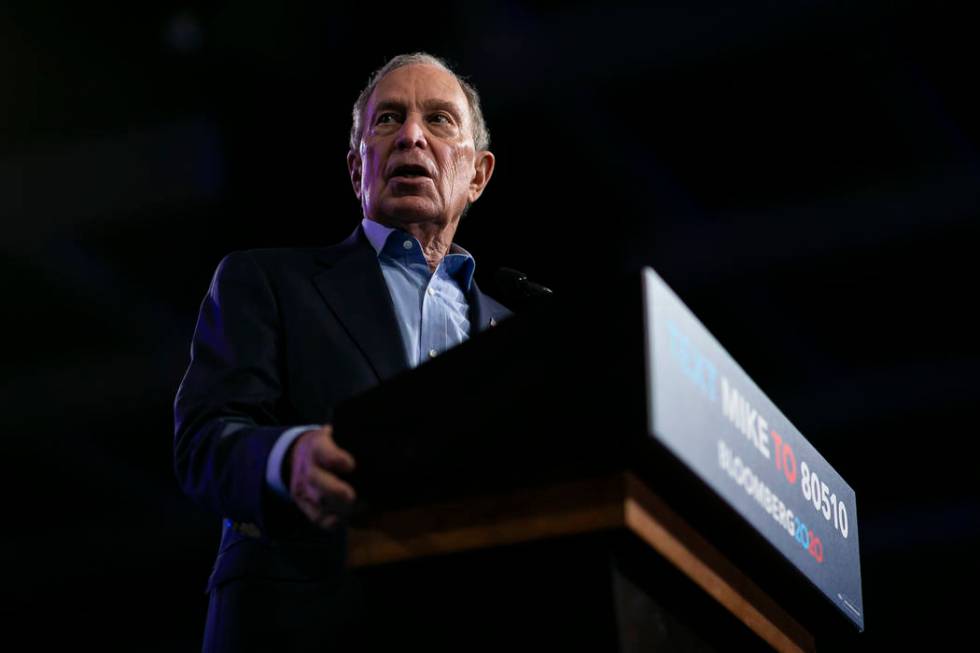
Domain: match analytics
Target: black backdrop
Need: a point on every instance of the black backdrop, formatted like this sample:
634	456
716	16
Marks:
805	175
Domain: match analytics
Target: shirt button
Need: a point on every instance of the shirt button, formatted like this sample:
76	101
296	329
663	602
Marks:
407	244
432	292
432	353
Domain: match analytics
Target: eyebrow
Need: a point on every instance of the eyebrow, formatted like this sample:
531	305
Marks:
430	105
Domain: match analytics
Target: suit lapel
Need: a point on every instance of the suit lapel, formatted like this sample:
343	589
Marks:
482	315
354	288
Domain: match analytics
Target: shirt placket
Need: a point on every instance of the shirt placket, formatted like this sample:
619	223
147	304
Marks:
429	345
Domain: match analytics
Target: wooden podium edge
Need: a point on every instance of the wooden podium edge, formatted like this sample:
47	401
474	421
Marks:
488	521
618	501
654	522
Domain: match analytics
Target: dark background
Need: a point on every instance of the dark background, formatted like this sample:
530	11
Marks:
804	174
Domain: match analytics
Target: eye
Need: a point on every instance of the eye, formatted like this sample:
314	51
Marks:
386	117
440	118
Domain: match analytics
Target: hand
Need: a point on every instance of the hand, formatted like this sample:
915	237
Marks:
311	463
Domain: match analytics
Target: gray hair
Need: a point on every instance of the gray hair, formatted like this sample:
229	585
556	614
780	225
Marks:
481	135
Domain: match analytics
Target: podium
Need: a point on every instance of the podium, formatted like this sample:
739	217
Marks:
534	489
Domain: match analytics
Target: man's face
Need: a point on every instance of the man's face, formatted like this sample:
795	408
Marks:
416	161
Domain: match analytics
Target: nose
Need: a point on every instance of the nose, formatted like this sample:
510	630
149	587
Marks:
411	133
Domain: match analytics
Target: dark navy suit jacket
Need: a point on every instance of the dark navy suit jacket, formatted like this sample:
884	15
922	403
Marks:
283	336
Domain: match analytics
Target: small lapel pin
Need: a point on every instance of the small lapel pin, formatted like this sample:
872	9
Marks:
493	322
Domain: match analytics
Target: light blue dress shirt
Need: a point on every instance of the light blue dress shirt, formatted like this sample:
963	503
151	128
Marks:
431	308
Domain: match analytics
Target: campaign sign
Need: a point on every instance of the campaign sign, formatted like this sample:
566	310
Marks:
709	413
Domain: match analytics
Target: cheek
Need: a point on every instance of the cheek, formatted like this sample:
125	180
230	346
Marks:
373	177
373	165
461	166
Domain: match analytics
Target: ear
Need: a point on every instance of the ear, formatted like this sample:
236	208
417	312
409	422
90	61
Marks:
483	170
354	168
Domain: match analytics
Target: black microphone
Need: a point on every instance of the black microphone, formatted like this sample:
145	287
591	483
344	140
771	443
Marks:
515	284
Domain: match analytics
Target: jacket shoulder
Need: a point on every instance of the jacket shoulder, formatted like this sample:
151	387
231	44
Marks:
282	259
273	262
271	257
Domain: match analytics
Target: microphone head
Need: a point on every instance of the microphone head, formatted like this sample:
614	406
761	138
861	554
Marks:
510	281
514	285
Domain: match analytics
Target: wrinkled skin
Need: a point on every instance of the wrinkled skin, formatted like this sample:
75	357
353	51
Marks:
418	115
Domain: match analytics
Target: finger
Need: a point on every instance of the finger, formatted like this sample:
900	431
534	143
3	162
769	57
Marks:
330	456
328	489
318	516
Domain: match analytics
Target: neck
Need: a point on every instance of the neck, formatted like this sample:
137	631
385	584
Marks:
436	239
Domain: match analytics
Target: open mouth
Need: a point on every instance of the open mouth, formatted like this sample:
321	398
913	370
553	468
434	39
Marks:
409	171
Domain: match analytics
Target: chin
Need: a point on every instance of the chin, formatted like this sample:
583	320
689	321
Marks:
410	211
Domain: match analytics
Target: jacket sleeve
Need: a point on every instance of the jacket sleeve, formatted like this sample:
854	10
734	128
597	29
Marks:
226	413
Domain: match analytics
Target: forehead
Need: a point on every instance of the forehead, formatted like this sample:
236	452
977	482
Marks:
418	85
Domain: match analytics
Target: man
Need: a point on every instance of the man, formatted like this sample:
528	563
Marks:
284	335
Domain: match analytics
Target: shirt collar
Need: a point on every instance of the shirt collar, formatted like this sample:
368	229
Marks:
377	234
458	263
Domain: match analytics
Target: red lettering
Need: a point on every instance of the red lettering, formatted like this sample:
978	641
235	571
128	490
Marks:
785	458
816	547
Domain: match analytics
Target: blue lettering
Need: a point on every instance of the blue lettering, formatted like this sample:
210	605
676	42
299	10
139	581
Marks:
692	362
